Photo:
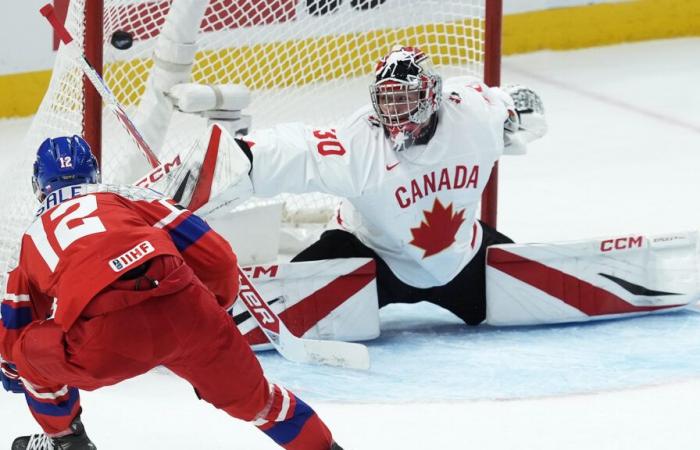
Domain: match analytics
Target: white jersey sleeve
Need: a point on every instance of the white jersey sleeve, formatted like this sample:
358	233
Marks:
498	101
298	158
492	103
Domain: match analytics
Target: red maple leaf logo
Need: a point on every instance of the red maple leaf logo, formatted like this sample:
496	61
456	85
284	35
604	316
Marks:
437	231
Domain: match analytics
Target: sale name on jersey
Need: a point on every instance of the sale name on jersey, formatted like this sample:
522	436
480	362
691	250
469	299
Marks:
59	196
132	256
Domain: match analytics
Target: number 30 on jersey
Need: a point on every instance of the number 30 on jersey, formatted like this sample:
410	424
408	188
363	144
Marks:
328	143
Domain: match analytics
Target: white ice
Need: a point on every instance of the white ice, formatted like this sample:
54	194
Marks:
621	157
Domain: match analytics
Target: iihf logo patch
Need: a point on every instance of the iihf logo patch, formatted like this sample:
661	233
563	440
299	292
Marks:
129	257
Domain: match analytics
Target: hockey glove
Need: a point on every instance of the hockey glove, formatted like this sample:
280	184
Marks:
10	378
527	122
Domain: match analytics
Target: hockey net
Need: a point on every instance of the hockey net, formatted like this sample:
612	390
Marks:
303	60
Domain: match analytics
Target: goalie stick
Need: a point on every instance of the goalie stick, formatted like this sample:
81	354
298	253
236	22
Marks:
333	353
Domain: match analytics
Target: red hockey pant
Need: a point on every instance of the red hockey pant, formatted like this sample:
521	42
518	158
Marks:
125	332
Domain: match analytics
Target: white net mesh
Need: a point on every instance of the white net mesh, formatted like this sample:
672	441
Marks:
304	60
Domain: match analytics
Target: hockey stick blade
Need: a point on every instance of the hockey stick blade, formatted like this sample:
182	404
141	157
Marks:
335	353
331	353
347	355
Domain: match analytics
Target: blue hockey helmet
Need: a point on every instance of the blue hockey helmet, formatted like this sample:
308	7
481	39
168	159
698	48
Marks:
63	161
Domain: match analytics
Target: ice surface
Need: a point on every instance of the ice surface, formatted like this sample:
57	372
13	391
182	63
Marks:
622	156
439	359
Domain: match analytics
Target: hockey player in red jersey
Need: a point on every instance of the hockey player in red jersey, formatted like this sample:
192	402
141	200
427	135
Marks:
112	281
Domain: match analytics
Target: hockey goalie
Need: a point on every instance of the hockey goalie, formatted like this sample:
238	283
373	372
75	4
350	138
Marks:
411	168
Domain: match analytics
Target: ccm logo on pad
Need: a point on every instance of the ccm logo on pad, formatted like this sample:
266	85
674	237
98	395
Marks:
129	257
623	243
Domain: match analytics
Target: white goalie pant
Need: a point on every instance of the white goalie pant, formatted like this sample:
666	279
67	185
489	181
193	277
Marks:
330	299
531	284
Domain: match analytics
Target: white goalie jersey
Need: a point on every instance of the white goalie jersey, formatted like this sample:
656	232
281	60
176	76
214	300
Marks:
415	208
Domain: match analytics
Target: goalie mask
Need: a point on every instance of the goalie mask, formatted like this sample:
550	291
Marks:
405	95
63	161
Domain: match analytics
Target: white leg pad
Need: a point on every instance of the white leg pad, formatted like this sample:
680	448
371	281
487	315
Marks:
330	299
530	284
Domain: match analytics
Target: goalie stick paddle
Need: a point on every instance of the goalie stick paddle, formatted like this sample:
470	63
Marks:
293	348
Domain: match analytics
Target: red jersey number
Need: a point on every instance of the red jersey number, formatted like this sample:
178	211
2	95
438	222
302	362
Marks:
71	224
328	143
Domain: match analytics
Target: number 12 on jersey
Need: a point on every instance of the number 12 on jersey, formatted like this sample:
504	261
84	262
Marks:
68	228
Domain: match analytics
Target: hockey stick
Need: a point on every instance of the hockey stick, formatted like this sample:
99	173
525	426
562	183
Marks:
96	80
331	353
293	348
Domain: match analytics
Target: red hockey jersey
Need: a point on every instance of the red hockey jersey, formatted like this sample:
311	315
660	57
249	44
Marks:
86	236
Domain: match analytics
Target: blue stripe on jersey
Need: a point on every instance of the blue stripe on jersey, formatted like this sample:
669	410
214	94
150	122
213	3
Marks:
15	318
188	232
61	409
286	431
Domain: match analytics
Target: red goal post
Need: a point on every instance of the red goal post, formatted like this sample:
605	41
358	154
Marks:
492	77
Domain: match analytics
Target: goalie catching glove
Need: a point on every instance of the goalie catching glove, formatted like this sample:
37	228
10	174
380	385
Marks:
526	122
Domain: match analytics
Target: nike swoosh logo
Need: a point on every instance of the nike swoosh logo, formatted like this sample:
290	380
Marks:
181	189
635	288
391	166
242	317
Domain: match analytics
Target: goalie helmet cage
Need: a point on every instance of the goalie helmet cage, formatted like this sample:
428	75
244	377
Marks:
303	60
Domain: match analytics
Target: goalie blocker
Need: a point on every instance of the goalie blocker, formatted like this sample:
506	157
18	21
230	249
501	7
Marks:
211	179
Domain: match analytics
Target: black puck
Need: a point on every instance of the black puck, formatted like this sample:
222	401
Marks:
122	40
